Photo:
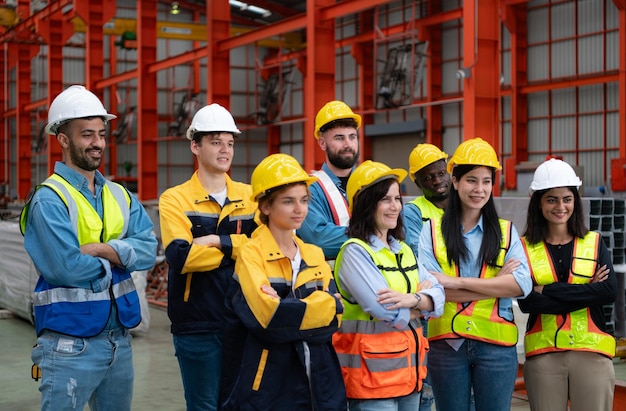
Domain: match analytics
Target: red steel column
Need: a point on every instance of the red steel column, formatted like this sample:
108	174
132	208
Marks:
5	141
481	118
55	32
319	76
618	165
147	119
23	130
218	62
514	18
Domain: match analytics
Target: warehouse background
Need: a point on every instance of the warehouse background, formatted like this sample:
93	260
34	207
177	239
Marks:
535	78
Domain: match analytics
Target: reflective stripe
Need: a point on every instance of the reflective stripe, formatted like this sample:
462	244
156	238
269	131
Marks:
72	209
366	327
79	295
121	196
60	295
336	201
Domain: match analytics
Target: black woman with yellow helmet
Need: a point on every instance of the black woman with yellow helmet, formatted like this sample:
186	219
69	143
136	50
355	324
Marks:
481	263
385	290
286	302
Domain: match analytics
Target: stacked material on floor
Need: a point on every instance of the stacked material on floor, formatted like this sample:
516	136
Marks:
18	277
17	272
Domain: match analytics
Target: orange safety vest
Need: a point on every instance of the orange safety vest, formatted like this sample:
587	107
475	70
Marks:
478	320
377	360
573	331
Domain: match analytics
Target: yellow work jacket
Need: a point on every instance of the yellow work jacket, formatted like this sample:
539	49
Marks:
576	330
478	320
379	361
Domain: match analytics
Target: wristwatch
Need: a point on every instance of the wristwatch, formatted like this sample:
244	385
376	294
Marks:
419	300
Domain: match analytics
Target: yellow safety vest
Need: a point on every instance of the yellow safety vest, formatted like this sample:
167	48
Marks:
574	331
478	320
429	210
377	360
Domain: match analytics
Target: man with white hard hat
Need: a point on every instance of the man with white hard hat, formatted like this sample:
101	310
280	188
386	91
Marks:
85	235
204	222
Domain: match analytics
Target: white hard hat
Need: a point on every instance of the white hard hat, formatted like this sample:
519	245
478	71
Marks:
74	102
212	118
554	173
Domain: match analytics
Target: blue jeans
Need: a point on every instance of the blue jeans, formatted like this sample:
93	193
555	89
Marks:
76	371
408	403
200	361
489	369
426	399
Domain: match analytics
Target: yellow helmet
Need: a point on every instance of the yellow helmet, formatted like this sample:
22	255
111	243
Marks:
475	151
368	173
277	170
334	110
422	156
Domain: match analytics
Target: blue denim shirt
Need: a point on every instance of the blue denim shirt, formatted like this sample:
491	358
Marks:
472	266
53	245
319	227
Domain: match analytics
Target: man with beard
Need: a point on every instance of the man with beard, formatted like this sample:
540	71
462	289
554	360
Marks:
427	168
85	235
336	127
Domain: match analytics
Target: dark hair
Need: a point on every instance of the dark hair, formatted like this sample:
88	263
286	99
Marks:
451	225
270	196
65	126
362	223
340	122
198	136
537	225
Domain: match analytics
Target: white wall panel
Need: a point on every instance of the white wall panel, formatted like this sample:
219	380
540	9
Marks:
591	98
591	54
563	134
537	62
563	102
538	135
561	20
590	131
537	25
563	59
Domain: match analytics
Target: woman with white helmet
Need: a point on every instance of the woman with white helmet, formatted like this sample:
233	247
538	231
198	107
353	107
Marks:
480	262
568	349
285	301
385	291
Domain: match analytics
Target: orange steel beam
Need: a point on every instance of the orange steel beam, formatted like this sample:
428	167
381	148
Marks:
5	141
621	6
147	118
481	31
363	54
429	31
514	18
56	32
23	130
112	146
218	65
319	76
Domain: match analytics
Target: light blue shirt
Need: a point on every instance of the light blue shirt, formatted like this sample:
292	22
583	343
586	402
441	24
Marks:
53	245
360	277
473	266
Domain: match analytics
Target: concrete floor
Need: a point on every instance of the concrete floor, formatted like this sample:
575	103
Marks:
157	378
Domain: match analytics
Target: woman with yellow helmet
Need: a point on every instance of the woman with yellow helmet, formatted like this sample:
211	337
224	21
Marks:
481	264
385	290
568	349
286	303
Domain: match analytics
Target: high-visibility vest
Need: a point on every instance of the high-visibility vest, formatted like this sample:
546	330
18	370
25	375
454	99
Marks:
478	320
377	360
429	210
573	331
81	312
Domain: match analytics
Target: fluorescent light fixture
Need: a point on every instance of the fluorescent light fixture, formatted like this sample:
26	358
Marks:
175	8
250	7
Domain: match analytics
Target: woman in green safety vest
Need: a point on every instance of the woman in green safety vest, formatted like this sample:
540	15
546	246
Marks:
568	349
385	290
480	262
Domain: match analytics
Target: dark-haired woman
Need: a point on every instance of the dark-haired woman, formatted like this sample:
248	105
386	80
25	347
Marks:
568	349
385	290
482	266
